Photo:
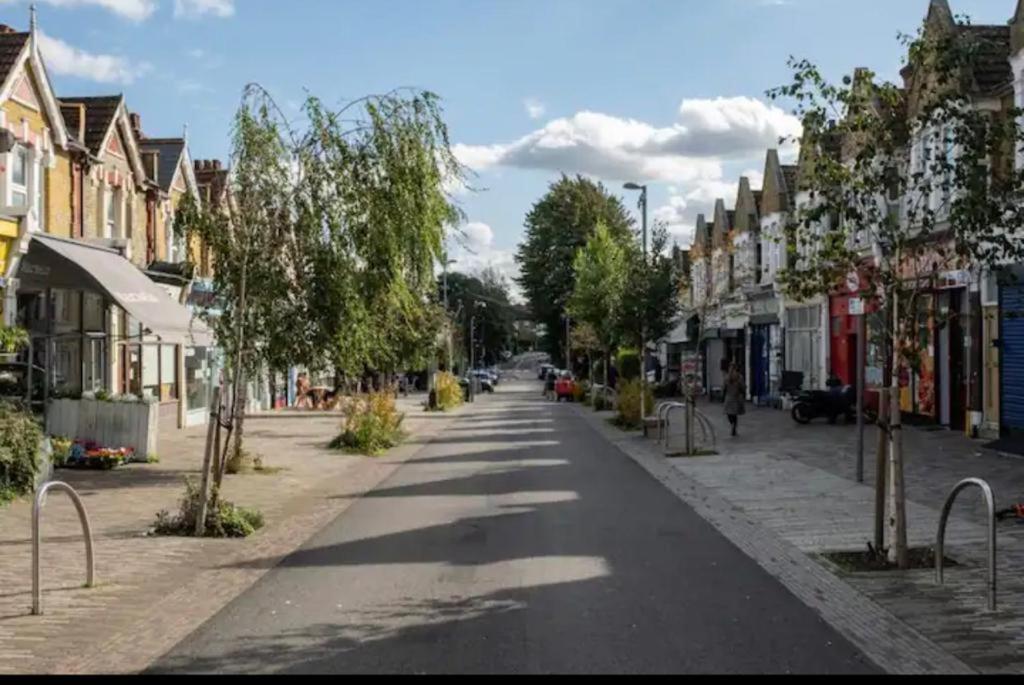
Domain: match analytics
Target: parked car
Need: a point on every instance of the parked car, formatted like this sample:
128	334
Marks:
565	388
543	373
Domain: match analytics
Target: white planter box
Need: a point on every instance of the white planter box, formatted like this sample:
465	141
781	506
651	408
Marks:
110	424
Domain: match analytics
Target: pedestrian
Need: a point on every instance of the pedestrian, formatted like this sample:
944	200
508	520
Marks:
735	398
549	385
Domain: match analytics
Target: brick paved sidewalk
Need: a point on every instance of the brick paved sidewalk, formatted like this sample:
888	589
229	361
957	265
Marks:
153	591
799	483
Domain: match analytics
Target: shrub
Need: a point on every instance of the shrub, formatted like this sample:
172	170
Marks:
372	425
628	365
223	519
13	339
449	392
602	402
20	437
629	404
580	390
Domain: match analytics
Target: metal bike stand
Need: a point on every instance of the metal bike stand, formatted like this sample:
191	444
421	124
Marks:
662	414
668	415
37	510
940	538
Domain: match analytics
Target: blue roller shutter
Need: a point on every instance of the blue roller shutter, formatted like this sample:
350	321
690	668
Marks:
1011	337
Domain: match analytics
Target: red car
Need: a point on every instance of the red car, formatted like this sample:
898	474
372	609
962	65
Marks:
565	387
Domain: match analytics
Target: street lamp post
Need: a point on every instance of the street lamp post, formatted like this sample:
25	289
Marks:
643	322
447	263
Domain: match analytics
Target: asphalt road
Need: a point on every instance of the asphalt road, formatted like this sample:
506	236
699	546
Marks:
520	541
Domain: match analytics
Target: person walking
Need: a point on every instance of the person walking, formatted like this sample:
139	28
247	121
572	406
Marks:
735	398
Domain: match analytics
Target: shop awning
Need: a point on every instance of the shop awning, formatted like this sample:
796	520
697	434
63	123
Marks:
54	262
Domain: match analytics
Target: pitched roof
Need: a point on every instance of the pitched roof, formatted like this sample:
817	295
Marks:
169	156
99	115
11	46
758	194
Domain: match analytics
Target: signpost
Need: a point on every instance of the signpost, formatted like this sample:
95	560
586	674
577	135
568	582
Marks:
857	309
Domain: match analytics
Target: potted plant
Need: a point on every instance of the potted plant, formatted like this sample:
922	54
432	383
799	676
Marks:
12	341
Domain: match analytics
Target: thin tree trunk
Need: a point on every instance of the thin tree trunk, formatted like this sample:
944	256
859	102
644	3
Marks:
898	552
880	468
204	481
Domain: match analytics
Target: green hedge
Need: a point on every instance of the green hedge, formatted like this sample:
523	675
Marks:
20	437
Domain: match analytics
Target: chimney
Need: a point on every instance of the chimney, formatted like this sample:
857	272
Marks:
216	165
136	123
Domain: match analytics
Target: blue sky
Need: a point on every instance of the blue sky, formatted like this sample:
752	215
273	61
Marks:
668	92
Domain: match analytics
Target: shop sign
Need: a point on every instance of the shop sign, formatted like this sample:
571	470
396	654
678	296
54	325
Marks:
856	306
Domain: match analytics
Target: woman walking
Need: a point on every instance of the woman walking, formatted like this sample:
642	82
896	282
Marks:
735	398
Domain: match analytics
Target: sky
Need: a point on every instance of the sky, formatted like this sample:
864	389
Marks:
669	93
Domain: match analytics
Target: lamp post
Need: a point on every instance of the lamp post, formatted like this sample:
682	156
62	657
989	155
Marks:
643	321
447	263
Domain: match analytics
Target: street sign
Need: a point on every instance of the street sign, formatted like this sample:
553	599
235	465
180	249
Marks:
856	306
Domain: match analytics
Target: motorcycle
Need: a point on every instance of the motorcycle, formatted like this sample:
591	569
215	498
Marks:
814	404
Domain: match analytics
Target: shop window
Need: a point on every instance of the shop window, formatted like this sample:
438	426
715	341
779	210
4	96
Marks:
95	364
197	378
168	375
151	371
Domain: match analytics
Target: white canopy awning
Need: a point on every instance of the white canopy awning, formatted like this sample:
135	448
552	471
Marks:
54	262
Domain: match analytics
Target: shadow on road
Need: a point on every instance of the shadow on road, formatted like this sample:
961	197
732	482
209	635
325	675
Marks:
574	560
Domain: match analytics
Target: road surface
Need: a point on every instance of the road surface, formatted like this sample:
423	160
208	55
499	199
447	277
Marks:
520	541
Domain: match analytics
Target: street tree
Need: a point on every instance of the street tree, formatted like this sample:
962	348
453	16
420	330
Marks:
650	302
557	226
903	184
601	268
325	248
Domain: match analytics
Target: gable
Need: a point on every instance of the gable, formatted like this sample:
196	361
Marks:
25	93
771	191
746	207
115	145
178	184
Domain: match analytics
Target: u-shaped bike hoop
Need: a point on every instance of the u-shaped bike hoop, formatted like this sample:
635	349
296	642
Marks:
940	538
37	511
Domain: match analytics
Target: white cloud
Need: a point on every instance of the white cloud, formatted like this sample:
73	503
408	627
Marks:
684	204
478	253
479	235
196	53
68	60
534	108
707	133
135	10
199	8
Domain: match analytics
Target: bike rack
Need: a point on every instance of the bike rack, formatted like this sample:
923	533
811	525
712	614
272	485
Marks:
662	412
707	431
37	510
990	500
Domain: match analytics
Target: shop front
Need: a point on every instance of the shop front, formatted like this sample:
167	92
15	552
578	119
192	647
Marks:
99	324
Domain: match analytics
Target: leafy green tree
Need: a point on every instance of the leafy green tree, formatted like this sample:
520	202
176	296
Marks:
601	269
902	184
486	296
651	300
557	226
